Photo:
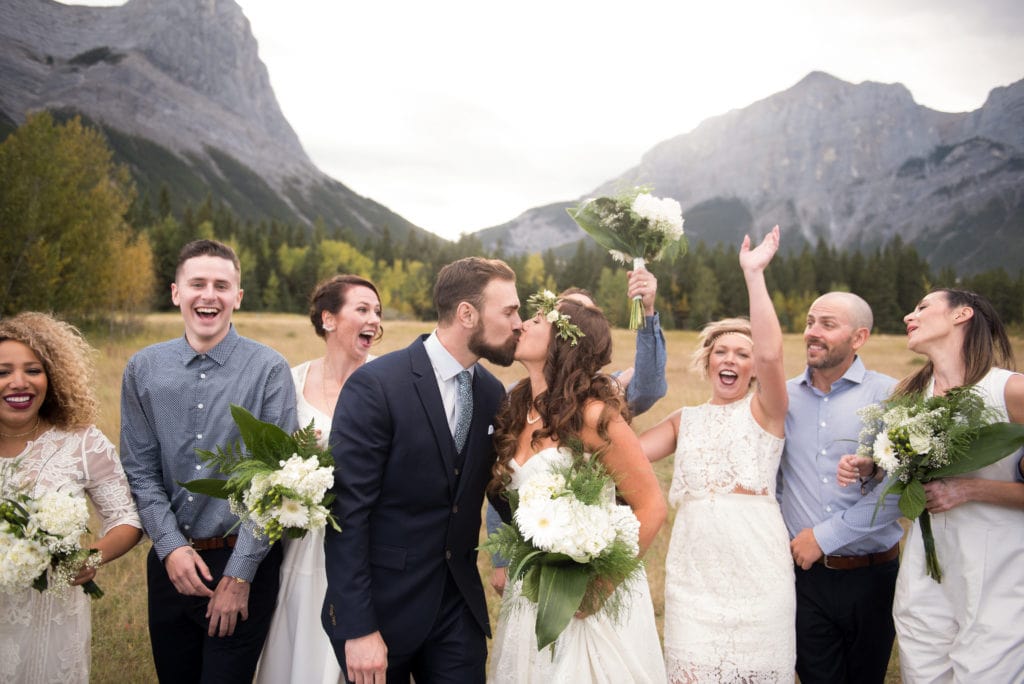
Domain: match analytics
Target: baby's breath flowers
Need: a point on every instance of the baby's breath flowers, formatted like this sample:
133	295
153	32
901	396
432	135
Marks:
282	485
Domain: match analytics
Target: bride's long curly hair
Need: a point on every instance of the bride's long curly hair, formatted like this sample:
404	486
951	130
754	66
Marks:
574	378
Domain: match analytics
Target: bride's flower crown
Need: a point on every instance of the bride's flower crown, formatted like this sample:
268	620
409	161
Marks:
545	303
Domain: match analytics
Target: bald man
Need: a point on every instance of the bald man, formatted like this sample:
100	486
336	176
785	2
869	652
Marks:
846	564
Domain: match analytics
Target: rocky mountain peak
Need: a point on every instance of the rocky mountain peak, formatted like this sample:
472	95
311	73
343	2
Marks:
171	71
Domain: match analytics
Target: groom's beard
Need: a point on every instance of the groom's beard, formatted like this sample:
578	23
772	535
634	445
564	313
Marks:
499	354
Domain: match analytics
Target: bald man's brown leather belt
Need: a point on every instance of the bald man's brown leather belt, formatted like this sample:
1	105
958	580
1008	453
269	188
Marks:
854	562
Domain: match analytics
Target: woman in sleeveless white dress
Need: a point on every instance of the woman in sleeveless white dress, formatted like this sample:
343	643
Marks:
345	311
730	603
566	397
968	627
48	444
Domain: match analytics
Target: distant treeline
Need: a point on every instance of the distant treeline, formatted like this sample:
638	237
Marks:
78	241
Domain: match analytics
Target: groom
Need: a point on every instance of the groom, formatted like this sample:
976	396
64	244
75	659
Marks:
412	446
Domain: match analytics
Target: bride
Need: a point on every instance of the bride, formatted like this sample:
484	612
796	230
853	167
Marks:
566	397
345	312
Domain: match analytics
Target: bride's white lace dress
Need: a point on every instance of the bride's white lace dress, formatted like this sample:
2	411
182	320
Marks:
45	637
594	649
730	605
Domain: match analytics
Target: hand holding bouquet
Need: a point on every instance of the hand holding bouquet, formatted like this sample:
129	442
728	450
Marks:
916	440
40	542
281	485
635	226
570	543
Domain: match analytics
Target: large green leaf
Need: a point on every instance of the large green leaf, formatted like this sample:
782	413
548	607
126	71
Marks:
894	487
561	590
993	443
912	500
588	217
265	441
208	486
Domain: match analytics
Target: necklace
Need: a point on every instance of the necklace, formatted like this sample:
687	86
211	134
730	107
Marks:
324	367
534	420
22	434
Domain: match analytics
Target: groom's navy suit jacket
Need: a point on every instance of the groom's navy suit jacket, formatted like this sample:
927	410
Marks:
407	503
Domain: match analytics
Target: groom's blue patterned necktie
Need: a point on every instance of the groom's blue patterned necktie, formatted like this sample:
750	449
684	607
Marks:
465	416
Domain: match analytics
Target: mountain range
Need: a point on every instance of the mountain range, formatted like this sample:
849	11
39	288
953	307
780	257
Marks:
853	165
178	88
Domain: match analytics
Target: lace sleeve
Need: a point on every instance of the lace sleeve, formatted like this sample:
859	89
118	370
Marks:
105	482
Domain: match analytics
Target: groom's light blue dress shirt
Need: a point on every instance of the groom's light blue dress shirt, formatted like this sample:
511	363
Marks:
174	401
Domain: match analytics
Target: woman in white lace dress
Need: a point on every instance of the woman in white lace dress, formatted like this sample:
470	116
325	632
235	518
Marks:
345	312
730	606
48	443
565	398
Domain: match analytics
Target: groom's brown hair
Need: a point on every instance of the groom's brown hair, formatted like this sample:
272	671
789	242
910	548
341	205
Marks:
464	281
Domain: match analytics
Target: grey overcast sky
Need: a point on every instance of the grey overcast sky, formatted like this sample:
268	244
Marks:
460	115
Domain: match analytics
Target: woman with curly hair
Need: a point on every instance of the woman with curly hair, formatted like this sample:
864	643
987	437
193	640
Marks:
565	400
48	443
730	602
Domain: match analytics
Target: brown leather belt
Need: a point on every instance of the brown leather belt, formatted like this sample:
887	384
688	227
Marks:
213	543
854	562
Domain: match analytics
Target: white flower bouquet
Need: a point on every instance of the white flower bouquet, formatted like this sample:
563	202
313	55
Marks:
570	543
916	440
40	542
635	226
282	484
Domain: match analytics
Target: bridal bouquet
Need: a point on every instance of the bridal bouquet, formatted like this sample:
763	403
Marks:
570	543
916	440
281	485
40	542
634	226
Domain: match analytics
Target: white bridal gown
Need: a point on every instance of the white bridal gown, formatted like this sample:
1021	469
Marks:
730	602
45	637
297	648
595	649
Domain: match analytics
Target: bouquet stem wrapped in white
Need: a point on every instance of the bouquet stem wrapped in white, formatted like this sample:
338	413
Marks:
917	440
40	542
570	543
635	226
281	485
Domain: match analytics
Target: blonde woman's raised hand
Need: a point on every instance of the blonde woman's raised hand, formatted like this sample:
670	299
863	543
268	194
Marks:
757	259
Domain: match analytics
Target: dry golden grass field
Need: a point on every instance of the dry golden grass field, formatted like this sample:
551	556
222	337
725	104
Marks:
120	638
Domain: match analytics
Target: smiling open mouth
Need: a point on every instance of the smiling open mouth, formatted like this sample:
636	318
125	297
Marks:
18	401
728	377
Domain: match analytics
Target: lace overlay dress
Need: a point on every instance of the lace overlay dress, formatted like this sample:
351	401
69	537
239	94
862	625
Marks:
45	637
592	650
730	604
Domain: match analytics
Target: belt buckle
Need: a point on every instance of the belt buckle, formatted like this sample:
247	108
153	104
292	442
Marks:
824	561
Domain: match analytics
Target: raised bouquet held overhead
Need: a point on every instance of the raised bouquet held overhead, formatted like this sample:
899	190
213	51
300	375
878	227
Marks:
634	226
